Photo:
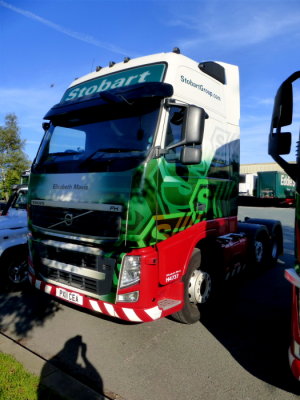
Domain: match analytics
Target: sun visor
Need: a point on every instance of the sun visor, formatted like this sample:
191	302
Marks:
129	96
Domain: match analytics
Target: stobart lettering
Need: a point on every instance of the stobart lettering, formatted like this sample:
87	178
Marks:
150	73
107	84
199	87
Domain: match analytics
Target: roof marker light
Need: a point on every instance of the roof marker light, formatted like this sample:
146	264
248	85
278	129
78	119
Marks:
98	68
126	59
176	50
111	64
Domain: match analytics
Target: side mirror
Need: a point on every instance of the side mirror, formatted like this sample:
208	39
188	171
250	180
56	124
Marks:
46	126
191	155
283	106
192	135
193	127
279	143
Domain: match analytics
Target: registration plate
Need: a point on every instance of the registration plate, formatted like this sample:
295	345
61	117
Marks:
69	296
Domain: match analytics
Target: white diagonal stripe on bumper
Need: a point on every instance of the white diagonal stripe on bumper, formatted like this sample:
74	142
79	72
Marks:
95	306
154	313
131	315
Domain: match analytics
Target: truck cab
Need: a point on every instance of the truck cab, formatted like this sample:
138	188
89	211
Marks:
133	192
279	146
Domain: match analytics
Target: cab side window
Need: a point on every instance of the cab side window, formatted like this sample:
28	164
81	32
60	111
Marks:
21	201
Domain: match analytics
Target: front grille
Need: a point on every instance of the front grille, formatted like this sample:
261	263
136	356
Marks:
76	281
104	224
73	265
69	257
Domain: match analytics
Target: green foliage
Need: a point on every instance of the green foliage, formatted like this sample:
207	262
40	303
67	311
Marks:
13	160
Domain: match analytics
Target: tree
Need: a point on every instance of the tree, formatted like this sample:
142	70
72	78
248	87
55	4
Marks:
13	160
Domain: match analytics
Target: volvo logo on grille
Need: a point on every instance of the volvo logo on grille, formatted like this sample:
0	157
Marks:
68	219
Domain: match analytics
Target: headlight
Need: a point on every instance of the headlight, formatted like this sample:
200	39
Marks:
131	271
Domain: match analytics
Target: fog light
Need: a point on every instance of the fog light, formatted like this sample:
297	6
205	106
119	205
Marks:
128	297
131	270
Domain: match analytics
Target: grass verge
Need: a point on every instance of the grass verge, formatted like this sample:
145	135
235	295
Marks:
18	384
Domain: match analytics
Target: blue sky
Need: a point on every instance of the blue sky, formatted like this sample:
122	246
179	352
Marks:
45	44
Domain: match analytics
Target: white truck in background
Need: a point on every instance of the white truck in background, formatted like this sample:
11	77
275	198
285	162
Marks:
247	184
13	238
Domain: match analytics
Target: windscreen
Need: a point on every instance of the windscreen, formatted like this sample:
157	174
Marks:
111	139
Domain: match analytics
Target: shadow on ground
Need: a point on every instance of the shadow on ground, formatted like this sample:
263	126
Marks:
22	310
253	323
73	360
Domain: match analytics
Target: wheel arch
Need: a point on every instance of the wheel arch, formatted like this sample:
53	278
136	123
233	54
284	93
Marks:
176	251
13	250
199	247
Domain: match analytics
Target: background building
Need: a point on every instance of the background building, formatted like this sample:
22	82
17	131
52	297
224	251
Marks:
254	168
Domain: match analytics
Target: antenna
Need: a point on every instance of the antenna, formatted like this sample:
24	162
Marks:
93	61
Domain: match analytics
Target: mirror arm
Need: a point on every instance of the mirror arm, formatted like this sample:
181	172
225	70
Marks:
173	146
290	169
157	152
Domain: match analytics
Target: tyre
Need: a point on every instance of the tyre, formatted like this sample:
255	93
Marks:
16	268
18	271
274	228
258	244
275	245
198	289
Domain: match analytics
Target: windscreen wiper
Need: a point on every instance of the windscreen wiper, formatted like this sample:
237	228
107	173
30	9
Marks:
110	150
65	153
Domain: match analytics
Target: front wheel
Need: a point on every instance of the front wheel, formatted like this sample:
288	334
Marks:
198	289
17	271
15	268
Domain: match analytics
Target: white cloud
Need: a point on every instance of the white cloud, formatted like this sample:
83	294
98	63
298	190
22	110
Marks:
238	26
75	35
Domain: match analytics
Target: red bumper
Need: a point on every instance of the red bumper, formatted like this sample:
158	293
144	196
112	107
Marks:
294	364
125	312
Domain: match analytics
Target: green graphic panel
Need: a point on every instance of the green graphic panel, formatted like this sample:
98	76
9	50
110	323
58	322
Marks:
167	198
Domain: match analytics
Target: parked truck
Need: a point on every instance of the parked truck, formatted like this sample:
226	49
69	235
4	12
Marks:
279	145
247	185
269	188
133	192
275	185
